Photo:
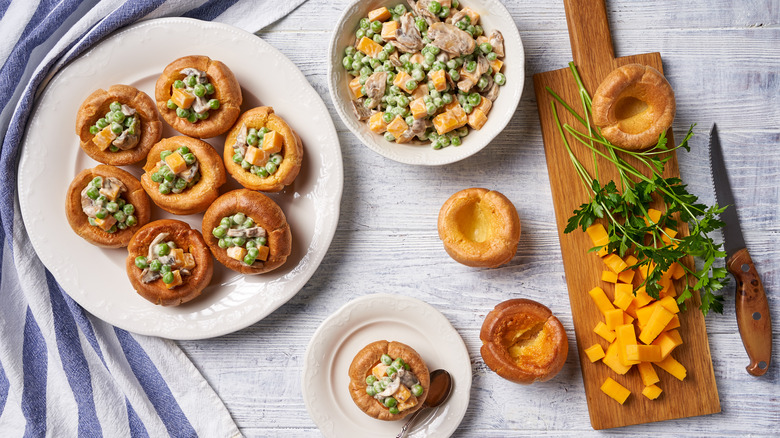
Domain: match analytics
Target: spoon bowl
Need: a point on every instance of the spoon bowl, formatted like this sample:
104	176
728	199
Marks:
438	392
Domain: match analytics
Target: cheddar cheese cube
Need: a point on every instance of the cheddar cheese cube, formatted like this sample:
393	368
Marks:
379	14
602	330
111	192
379	370
601	300
647	373
255	156
182	98
176	280
376	123
402	394
262	253
107	223
612	360
496	65
418	109
272	142
356	88
615	390
643	353
104	138
609	277
388	30
655	325
613	318
401	79
667	342
652	392
615	263
671	366
236	253
178	256
477	118
397	127
439	79
176	163
625	338
626	276
473	16
417	58
420	91
369	47
189	261
594	352
445	122
458	112
409	403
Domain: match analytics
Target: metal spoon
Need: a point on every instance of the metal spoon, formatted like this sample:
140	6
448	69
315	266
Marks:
438	393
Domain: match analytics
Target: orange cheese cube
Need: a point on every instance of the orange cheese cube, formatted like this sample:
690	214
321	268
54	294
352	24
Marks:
652	392
111	193
473	16
601	300
673	324
178	256
595	352
176	280
181	98
647	372
598	234
654	214
176	163
627	319
641	298
380	14
655	325
236	253
626	276
670	304
420	91
104	138
262	253
496	65
409	403
667	342
402	394
612	360
369	47
388	30
397	127
631	310
445	122
458	112
272	142
615	263
356	88
671	366
379	370
643	313
613	318
643	353
482	39
602	330
646	269
417	58
667	235
609	277
615	390
625	337
377	124
677	271
401	79
439	79
107	223
630	260
477	119
624	295
189	261
255	156
417	106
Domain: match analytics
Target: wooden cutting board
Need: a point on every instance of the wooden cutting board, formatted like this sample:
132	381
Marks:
593	55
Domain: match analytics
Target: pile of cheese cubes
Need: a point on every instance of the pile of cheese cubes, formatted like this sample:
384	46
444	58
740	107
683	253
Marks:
640	330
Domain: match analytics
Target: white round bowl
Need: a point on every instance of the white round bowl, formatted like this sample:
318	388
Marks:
493	15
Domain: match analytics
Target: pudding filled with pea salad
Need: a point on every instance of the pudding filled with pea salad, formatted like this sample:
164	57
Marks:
243	240
388	380
424	70
168	262
183	175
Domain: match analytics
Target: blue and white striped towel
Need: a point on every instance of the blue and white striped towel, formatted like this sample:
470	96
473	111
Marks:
63	372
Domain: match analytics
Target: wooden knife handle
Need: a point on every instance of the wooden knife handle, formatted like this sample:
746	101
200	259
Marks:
753	320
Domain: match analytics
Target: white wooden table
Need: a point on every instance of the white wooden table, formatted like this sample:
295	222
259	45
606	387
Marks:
722	58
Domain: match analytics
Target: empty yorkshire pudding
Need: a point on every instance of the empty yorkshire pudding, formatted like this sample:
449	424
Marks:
198	96
388	380
523	341
105	205
118	126
633	105
479	228
262	152
168	263
183	175
247	232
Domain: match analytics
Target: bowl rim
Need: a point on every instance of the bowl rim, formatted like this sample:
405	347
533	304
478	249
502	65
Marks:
432	157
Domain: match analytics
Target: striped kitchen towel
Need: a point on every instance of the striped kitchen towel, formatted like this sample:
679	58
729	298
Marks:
63	372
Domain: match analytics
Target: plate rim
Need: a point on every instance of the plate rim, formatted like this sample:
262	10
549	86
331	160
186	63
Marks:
309	361
325	236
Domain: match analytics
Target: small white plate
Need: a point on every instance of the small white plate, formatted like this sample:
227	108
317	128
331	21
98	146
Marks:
51	158
493	15
372	318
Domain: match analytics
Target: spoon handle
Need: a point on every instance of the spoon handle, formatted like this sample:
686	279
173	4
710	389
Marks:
408	423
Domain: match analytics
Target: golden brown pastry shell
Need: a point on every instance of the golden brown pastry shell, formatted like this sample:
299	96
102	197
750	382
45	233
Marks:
492	210
292	151
524	320
361	366
227	91
97	105
80	222
198	197
645	84
265	213
184	237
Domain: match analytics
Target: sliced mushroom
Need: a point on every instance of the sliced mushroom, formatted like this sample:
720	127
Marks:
417	129
255	232
189	174
361	112
200	75
148	276
470	79
200	105
488	85
443	57
127	111
392	387
395	59
420	8
88	205
160	237
497	41
407	379
456	17
375	87
451	39
492	92
407	37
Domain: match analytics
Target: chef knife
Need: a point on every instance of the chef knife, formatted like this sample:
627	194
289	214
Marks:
755	325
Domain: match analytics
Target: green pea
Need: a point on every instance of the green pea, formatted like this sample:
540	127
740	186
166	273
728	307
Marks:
389	137
478	30
387	117
422	26
219	232
178	84
492	56
251	139
349	51
239	218
471	66
445	11
378	386
189	158
92	221
430	108
93	193
417	390
402	101
162	249
261	241
120	216
474	99
164	269
276	159
210	88
182	112
371	391
486	48
390	401
270	167
180	184
115	106
101	214
461	25
223	243
456	141
483	82
239	241
391	371
128	209
347	62
454	74
169	176
394	410
155	265
472	30
214	104
193	117
251	244
253	251
248	259
389	47
116	128
118	116
365	23
112	207
376	26
167	278
238	158
101	123
386	360
140	261
94	129
500	78
409	120
191	80
113	148
113	229
226	222
434	7
199	90
157	177
131	220
360	33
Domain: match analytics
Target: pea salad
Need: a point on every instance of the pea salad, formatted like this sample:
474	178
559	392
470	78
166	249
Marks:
190	96
118	130
165	261
242	238
176	171
258	151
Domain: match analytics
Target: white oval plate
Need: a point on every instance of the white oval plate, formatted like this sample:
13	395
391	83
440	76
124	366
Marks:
493	15
51	158
372	318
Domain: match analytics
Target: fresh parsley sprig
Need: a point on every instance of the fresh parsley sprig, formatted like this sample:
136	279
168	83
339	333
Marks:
625	204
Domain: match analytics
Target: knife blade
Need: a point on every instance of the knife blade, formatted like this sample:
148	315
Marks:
752	308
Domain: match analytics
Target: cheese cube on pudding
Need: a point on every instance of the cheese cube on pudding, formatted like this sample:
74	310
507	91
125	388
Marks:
379	370
176	163
107	223
181	98
237	253
104	138
409	403
262	253
272	142
176	280
189	261
255	156
178	256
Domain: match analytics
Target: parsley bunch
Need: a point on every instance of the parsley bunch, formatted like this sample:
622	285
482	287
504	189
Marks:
625	204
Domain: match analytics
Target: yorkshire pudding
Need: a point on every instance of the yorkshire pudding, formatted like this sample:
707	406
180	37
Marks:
185	259
262	152
407	385
187	107
247	232
479	228
98	139
633	105
183	175
105	205
523	341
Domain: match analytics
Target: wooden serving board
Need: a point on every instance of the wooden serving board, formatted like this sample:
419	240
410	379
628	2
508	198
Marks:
593	55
